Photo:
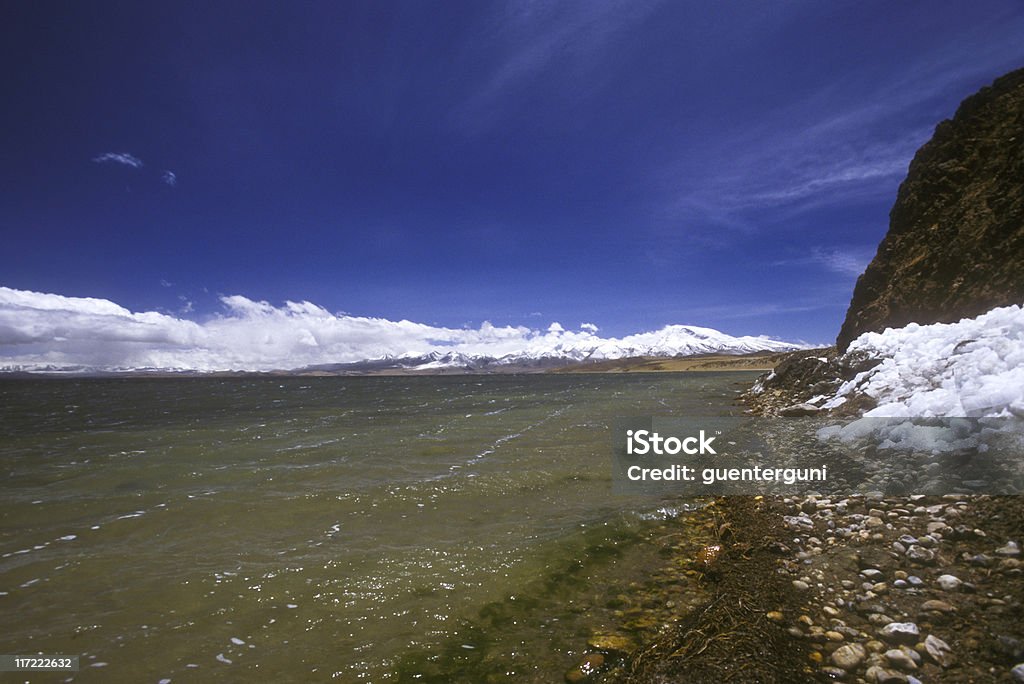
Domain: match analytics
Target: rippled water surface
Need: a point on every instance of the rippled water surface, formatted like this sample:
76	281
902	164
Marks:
346	529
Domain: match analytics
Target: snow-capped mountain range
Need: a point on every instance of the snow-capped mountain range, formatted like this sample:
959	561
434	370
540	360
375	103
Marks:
539	352
671	341
51	333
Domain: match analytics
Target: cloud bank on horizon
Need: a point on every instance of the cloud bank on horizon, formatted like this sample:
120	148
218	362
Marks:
43	329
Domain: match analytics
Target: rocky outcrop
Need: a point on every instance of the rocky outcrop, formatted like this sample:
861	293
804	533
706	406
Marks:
803	380
955	246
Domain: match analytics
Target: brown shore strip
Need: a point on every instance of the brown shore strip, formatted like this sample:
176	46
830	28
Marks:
702	362
732	637
865	589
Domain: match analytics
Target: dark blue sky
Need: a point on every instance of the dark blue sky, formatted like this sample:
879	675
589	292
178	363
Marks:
631	164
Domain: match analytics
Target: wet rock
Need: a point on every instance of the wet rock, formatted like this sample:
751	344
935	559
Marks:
1017	673
774	615
949	582
900	633
707	558
939	651
576	676
800	585
591	664
612	644
849	656
915	581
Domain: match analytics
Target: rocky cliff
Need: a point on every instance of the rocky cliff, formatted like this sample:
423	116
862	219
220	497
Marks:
955	246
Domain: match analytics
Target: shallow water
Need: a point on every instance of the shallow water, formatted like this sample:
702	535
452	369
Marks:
346	529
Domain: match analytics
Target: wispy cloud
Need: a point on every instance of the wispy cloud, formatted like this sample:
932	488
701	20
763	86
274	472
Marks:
832	146
533	36
119	158
170	178
848	262
39	329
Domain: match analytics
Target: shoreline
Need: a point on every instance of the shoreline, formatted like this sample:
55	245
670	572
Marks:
756	361
858	589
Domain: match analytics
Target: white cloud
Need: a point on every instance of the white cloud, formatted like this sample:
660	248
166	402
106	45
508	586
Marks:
589	327
170	178
848	262
38	329
119	158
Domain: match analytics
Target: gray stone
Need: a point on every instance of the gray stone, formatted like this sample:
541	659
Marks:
919	554
1017	673
949	582
797	410
897	658
798	522
915	581
1010	550
980	560
873	521
939	651
1010	647
801	585
880	675
849	656
900	632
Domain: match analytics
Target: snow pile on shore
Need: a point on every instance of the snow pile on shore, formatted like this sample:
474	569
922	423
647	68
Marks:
973	368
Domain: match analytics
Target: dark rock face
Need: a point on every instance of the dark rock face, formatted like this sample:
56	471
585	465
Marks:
955	246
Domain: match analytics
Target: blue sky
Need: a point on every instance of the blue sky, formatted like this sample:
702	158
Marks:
630	164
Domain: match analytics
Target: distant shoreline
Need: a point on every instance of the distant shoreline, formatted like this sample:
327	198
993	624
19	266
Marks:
757	361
